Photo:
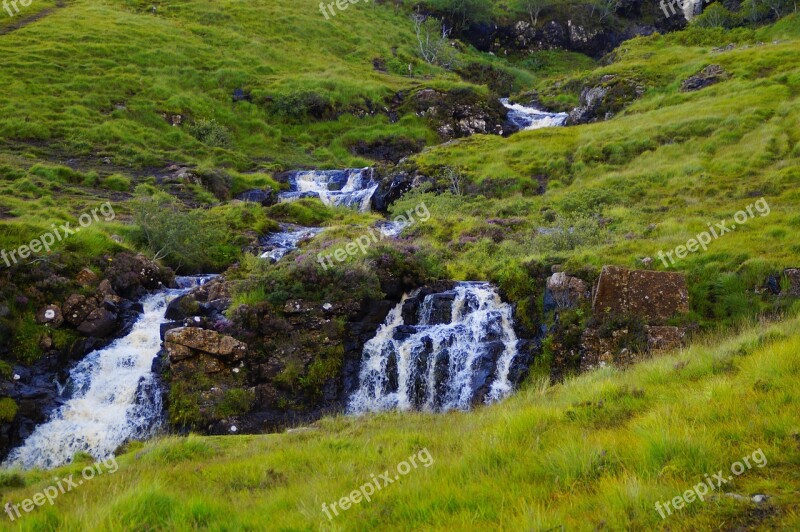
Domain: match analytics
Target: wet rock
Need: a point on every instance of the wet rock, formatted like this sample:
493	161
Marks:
182	307
708	76
50	316
651	296
99	323
263	196
390	189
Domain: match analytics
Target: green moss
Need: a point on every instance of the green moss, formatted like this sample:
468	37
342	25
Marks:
8	410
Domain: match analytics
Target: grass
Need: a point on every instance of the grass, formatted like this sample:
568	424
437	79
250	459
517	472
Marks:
546	457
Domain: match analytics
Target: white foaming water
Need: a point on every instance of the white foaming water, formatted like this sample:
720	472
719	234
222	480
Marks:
356	187
439	366
279	244
115	395
528	118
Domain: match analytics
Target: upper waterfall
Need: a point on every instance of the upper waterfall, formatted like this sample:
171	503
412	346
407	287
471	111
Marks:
349	188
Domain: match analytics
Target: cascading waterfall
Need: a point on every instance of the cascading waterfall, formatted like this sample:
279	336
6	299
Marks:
349	188
528	118
449	351
114	396
277	245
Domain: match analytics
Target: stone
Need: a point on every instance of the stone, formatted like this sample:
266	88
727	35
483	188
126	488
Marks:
99	323
77	307
50	316
654	297
564	291
86	277
664	338
708	76
264	197
207	341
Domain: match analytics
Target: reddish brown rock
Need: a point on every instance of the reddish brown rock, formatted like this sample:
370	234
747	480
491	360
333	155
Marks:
86	277
654	297
664	338
210	342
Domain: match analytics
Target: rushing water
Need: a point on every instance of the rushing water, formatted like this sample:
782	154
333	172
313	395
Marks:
277	245
349	188
458	348
527	118
114	396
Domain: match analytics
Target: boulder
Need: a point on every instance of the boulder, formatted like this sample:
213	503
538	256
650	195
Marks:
211	342
182	307
99	323
654	297
77	307
563	291
86	277
50	316
708	76
263	196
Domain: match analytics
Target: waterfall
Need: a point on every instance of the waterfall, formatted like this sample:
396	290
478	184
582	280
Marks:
114	395
348	188
444	351
527	118
277	245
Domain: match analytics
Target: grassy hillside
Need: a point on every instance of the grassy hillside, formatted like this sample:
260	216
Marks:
104	79
593	453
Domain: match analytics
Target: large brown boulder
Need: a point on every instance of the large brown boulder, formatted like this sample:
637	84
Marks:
99	323
198	341
653	297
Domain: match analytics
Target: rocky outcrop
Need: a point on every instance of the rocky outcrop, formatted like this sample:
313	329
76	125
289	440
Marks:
131	276
654	297
630	309
579	29
213	351
708	76
604	99
459	112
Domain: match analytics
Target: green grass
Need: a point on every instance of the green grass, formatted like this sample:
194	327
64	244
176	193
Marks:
546	457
